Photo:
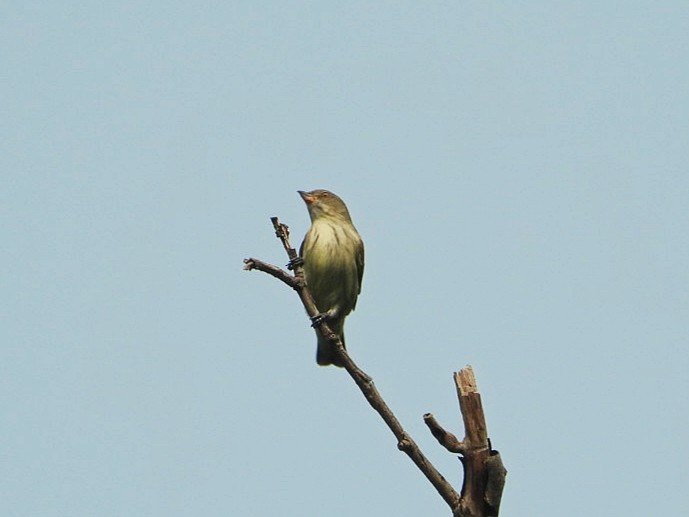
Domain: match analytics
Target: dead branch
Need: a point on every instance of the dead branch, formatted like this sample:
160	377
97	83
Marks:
483	471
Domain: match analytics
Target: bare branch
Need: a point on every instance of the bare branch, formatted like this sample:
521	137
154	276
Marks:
252	263
445	438
484	474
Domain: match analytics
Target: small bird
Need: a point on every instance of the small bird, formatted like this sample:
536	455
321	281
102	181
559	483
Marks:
333	255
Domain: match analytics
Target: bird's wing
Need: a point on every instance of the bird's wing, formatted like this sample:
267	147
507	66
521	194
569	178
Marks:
360	263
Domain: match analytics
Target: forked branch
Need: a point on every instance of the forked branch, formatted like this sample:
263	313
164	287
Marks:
481	482
484	473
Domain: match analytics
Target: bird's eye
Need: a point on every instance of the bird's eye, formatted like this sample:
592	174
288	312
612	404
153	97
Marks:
325	194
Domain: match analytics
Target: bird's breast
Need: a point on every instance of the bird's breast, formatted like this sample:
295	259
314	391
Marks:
330	265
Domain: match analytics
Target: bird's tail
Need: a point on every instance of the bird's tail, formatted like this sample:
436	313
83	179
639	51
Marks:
325	353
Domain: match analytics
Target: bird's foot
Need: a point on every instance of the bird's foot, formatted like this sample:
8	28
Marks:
297	261
323	317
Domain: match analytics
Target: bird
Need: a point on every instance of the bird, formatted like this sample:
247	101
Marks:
333	262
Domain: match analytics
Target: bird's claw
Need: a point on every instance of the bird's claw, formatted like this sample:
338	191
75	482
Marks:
297	261
318	319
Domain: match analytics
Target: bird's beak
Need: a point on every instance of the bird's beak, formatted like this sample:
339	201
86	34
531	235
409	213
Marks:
308	198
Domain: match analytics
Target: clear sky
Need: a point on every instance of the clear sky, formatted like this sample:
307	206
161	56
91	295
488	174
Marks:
518	171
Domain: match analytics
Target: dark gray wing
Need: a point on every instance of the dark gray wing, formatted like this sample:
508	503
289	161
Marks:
360	263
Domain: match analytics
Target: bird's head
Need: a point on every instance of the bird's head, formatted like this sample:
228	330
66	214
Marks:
323	203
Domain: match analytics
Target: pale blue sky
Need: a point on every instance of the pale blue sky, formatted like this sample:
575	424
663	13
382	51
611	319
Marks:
518	171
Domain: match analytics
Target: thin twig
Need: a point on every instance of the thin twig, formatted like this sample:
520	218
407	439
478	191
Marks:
445	438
